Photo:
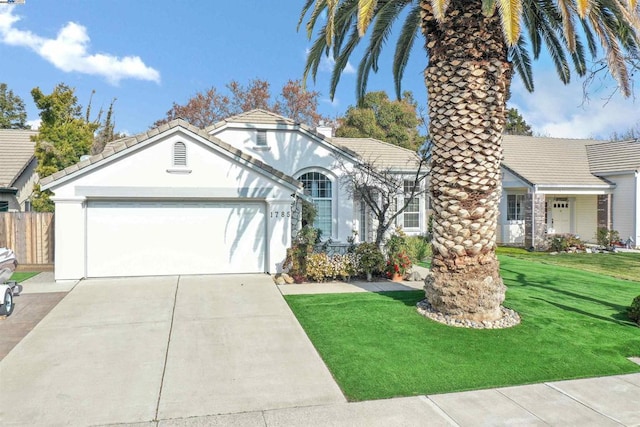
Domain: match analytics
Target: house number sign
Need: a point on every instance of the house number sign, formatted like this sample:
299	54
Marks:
280	214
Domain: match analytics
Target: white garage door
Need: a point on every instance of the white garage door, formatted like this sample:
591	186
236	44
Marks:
168	238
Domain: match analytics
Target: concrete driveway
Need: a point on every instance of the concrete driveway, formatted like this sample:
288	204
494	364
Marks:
143	349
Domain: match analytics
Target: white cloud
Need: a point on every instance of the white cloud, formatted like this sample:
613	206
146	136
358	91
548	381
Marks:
69	51
35	124
556	110
327	63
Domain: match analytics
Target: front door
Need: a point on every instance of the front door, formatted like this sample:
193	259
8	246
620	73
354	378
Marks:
561	217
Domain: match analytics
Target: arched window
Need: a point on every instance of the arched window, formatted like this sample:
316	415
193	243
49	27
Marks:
318	187
179	154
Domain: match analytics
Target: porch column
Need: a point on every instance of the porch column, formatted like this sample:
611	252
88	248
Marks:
534	221
604	211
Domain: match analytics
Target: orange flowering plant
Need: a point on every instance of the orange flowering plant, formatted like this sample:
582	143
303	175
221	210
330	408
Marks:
398	261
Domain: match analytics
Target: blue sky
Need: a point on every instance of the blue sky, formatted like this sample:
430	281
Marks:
150	53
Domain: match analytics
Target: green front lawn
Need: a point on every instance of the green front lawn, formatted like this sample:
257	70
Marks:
22	276
377	346
624	265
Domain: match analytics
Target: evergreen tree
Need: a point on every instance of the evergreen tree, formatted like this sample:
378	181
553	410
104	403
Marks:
64	136
12	112
516	125
378	117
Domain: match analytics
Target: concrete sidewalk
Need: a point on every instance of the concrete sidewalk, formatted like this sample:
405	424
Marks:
227	351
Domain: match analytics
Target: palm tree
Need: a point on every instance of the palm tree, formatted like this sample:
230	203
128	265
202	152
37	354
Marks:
473	47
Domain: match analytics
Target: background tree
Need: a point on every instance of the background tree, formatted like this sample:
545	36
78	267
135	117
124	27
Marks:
64	136
206	108
472	49
516	125
106	130
376	116
627	135
12	112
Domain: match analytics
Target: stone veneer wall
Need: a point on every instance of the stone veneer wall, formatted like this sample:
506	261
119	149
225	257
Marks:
604	210
534	213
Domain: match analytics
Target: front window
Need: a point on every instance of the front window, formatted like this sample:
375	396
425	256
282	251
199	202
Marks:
318	187
411	214
4	206
515	207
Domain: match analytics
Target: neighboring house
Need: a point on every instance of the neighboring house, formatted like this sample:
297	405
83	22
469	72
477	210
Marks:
556	186
182	200
17	169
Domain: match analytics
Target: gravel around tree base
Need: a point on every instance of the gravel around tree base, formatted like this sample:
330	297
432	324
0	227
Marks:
509	318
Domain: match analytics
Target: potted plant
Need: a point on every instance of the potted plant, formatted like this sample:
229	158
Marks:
370	259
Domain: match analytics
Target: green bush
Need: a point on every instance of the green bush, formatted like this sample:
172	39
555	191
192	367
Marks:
370	259
634	310
418	248
562	242
606	237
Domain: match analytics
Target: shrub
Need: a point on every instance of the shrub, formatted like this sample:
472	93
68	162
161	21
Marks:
297	254
398	261
634	310
319	267
370	259
562	242
419	248
606	237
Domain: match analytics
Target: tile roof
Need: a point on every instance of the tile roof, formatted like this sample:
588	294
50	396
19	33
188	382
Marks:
16	151
550	161
617	156
257	117
380	154
124	143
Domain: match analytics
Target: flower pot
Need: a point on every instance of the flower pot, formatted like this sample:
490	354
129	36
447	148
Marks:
397	277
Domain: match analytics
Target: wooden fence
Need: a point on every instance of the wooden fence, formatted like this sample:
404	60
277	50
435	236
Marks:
29	234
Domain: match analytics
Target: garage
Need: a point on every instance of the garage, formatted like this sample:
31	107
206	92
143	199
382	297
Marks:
150	238
171	201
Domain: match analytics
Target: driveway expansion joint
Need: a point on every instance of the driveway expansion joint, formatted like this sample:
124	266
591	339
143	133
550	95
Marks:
166	354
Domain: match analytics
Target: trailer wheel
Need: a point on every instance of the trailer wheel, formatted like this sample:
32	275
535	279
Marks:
7	303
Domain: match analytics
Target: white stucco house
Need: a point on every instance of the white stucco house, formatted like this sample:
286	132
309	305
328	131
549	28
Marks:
559	185
182	200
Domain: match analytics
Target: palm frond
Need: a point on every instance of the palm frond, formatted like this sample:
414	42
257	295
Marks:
439	8
510	13
365	13
331	19
488	7
342	59
583	7
408	34
567	24
320	6
522	63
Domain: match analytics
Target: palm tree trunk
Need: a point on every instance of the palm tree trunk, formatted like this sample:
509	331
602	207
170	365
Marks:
467	82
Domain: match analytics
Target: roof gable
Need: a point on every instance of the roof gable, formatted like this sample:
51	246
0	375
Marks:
133	142
379	154
16	152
